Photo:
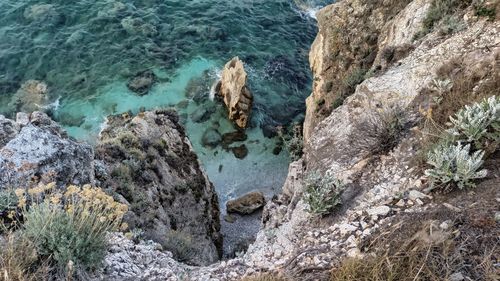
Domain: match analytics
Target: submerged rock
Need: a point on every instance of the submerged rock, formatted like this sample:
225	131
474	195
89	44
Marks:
152	168
32	96
240	152
203	114
237	97
136	26
41	152
41	12
231	137
247	203
142	82
211	138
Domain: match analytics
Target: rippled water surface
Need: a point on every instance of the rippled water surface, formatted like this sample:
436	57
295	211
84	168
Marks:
87	50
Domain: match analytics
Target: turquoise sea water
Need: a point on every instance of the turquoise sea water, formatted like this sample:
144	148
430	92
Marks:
87	50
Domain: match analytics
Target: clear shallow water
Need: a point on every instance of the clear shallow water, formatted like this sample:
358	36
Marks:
87	50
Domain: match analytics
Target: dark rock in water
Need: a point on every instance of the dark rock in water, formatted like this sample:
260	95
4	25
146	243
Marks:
142	82
240	152
231	137
211	138
203	114
182	104
71	121
269	131
42	153
152	167
277	149
247	203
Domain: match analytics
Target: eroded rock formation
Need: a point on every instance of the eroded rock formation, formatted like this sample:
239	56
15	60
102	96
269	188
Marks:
35	149
152	167
235	93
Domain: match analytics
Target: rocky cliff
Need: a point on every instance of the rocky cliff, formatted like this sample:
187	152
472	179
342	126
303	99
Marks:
151	166
374	63
144	161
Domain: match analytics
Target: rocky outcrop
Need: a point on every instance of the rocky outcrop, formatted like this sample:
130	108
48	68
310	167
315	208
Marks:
35	149
247	203
235	93
151	166
343	52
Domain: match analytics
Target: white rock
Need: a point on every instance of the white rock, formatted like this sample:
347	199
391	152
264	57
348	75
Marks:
346	228
456	277
379	211
414	195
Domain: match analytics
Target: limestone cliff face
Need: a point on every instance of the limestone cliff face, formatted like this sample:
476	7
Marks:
145	161
344	50
151	166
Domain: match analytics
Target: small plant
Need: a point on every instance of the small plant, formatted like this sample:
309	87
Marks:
478	121
180	245
483	10
322	193
68	230
293	143
454	164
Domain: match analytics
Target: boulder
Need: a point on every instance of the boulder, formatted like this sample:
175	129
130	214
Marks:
142	82
151	166
247	203
236	95
41	152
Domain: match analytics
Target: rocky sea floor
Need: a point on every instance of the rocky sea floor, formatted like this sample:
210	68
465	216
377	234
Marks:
88	53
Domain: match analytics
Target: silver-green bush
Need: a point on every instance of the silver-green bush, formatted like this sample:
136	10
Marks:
322	193
455	164
478	121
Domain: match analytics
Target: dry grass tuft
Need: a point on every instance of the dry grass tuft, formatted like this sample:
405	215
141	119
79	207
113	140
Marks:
416	247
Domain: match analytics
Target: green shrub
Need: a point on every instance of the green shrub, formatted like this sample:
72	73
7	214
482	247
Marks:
483	10
322	193
454	164
439	10
477	122
294	142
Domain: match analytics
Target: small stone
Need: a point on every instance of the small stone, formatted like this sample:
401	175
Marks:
401	203
414	195
346	228
457	277
419	202
379	211
445	225
497	216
